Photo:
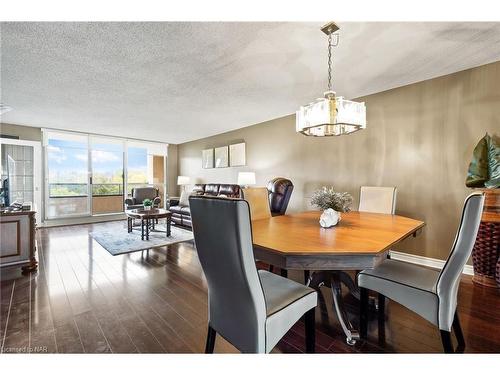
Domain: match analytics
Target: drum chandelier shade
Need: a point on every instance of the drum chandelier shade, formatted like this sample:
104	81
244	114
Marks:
330	115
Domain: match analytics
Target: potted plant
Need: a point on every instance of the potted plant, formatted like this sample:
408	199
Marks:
147	203
332	203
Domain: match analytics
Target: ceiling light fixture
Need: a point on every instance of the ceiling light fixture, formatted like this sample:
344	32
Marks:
331	115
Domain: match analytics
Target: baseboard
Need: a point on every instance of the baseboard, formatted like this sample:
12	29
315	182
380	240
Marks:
82	220
424	261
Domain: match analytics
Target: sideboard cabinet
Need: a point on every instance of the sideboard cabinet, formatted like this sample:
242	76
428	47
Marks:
17	240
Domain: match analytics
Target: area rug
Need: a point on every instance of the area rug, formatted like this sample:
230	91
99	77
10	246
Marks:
120	242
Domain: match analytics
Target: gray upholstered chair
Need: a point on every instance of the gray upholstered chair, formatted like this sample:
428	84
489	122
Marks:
141	193
428	292
251	309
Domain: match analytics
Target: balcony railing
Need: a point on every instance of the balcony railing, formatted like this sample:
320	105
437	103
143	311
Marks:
69	190
66	190
107	189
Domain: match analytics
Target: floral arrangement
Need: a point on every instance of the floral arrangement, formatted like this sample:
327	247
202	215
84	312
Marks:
327	197
147	202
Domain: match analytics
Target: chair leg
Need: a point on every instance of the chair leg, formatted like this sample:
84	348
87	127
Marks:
271	268
363	315
381	318
307	274
310	331
446	339
209	347
284	272
457	329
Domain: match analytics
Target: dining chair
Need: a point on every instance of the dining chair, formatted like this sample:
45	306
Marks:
280	190
258	200
430	293
251	309
377	199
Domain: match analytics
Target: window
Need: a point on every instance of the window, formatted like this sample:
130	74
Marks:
85	174
146	166
68	171
107	175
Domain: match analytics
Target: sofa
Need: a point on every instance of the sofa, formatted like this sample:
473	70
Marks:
279	188
181	215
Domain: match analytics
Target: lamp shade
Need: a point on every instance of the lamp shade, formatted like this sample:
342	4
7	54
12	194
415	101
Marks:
246	178
182	180
331	115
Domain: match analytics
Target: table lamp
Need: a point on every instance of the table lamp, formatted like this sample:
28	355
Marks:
183	181
245	179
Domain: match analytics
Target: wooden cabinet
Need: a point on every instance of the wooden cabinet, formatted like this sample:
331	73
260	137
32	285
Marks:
17	240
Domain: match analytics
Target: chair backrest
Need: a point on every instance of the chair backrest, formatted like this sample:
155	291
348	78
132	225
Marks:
223	237
280	190
258	201
377	199
449	278
141	193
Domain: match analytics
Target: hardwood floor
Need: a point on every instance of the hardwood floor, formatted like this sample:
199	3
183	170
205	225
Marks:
84	300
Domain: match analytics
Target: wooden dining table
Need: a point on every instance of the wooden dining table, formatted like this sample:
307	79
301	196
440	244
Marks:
361	240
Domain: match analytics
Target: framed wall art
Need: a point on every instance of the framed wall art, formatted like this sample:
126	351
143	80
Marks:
221	157
207	158
237	155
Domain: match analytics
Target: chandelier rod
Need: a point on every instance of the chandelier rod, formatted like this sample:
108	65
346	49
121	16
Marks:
329	62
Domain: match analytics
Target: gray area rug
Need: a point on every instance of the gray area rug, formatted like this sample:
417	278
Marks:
120	242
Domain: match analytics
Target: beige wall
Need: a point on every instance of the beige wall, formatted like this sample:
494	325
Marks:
172	171
419	138
26	133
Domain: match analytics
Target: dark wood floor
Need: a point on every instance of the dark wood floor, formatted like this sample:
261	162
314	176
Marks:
83	300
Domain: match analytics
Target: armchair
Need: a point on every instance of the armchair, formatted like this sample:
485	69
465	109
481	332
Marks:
141	193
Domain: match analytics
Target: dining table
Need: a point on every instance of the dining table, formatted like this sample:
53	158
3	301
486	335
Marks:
361	240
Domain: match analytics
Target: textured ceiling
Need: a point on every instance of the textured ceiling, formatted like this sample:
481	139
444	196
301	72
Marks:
177	82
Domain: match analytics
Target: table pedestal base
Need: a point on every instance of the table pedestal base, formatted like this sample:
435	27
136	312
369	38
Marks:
334	281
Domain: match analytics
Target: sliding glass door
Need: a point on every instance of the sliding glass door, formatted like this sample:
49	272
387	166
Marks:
68	184
107	175
146	163
92	175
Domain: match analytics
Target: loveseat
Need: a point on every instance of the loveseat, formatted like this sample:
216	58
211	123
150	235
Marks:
181	215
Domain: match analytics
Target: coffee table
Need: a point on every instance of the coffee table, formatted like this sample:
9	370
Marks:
148	220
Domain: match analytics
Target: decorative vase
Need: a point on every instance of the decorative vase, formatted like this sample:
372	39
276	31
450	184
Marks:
329	218
147	208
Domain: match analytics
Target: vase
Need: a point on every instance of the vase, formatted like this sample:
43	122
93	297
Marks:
147	208
329	218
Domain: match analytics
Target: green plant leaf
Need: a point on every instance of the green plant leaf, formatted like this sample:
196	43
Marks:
477	174
493	163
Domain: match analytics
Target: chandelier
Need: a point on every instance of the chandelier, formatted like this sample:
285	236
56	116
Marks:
330	115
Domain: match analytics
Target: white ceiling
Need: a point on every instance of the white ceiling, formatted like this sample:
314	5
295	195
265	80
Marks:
177	82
